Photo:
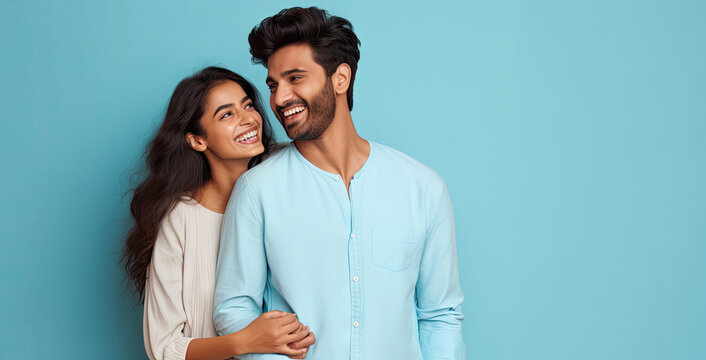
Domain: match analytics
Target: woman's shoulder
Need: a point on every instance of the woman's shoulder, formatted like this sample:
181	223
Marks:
176	218
180	207
186	201
186	214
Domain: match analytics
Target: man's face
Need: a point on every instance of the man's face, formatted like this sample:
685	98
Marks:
301	95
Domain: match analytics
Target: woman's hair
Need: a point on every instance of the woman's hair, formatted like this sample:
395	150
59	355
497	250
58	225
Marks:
331	38
173	168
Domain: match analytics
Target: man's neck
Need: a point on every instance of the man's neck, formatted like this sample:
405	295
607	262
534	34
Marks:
339	150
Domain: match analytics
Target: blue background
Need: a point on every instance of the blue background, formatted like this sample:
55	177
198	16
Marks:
572	136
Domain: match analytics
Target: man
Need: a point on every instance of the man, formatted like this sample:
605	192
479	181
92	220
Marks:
354	237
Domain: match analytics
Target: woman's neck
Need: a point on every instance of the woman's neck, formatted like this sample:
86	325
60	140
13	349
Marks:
215	194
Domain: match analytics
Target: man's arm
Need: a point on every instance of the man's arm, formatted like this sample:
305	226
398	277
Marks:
242	267
438	291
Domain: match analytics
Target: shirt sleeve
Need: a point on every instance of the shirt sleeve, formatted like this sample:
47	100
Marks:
438	290
164	315
242	267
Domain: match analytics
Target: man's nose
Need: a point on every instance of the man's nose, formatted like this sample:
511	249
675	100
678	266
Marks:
282	95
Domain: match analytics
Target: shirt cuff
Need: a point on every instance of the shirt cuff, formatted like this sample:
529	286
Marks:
177	349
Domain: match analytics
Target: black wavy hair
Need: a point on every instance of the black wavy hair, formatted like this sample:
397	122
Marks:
331	38
173	168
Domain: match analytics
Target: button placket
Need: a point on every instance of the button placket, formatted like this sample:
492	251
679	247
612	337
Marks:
355	272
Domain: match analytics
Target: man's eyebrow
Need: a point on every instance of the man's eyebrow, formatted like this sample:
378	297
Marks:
285	73
223	107
288	72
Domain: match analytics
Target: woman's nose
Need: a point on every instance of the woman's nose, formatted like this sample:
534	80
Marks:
248	120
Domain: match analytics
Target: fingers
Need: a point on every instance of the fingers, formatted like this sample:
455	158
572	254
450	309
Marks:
297	335
287	318
292	353
290	327
302	356
309	340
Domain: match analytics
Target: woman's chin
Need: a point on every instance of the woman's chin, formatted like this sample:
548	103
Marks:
256	150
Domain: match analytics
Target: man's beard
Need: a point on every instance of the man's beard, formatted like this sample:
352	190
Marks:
321	112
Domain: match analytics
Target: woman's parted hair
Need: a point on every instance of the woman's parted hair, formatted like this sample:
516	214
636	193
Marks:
173	168
331	38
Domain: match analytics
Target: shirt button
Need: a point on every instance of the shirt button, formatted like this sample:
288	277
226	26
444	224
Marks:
337	178
355	279
355	324
353	236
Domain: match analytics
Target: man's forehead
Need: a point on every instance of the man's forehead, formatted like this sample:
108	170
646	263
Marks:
290	57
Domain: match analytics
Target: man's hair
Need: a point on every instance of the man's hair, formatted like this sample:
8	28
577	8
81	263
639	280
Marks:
331	38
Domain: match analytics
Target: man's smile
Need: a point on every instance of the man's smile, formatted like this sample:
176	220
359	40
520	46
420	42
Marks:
291	115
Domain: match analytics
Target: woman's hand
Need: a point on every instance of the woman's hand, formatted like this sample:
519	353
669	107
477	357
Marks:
271	333
304	343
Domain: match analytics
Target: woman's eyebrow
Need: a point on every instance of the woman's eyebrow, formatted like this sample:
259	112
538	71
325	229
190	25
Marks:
222	107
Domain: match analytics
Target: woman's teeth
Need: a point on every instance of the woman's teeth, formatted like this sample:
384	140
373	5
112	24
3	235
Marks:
294	110
247	136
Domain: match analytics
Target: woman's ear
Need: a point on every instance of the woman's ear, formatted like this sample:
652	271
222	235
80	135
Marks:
341	79
197	142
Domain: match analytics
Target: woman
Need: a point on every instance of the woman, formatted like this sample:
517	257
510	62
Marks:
212	132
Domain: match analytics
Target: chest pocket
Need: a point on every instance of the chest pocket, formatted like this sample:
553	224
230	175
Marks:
396	249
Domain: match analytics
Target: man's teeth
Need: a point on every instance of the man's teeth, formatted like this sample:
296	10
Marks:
247	136
294	110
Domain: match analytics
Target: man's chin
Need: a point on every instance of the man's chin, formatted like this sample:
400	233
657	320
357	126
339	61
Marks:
301	136
296	132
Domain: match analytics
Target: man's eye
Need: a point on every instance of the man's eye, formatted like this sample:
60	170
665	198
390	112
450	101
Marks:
272	87
295	78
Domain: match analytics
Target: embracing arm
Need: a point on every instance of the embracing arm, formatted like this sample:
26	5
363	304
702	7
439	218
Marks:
439	295
268	332
165	318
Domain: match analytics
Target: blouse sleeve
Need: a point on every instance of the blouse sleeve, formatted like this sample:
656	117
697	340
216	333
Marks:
164	315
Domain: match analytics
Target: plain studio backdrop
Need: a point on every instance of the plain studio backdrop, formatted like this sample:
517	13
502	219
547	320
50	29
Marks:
571	134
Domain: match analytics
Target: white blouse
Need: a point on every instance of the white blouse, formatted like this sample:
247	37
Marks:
181	280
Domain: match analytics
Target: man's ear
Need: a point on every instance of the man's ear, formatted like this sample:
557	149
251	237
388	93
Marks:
197	142
341	79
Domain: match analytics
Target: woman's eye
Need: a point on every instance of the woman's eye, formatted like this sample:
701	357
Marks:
226	115
249	106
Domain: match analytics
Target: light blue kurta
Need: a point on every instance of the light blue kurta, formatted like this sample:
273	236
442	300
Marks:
374	275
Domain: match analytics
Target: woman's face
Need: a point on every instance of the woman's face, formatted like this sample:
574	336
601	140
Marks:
232	125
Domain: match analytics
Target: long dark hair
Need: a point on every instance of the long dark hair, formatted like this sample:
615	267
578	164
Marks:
173	168
331	38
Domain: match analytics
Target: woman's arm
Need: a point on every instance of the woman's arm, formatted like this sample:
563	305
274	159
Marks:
271	332
164	315
165	318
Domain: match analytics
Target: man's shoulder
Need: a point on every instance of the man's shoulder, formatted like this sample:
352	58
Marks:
405	166
267	170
